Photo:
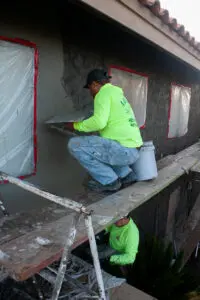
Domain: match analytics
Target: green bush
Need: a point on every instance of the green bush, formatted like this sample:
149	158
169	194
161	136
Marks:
157	273
193	296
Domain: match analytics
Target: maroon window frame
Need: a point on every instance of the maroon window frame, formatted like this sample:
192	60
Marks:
133	72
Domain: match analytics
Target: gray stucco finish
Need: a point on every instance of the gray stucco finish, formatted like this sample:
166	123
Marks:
71	42
93	42
57	172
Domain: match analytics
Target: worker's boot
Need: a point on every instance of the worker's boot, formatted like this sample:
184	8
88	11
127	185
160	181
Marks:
98	187
128	180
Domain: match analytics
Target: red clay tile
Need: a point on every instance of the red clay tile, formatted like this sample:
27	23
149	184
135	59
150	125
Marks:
163	14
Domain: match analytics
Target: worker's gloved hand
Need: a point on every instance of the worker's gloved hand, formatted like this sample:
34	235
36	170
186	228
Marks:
69	126
111	262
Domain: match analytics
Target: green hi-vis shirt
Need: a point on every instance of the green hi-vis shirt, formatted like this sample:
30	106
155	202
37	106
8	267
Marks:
113	118
124	240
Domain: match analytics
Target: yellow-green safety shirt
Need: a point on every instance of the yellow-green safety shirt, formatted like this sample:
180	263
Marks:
113	118
125	240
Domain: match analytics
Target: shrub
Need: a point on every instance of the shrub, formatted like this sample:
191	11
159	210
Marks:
157	273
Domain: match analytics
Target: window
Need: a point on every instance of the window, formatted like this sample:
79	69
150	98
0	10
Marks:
135	87
179	110
18	80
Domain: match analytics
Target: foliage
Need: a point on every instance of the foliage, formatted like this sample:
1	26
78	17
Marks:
157	273
193	296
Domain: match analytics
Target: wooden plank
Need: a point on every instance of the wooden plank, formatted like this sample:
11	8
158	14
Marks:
22	265
165	161
21	223
41	246
130	198
172	206
188	239
196	168
190	244
24	256
193	150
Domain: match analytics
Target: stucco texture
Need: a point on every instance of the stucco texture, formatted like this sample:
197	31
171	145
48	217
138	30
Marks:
93	42
72	41
57	172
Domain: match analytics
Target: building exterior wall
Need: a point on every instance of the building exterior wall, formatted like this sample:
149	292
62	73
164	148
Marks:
71	42
153	216
173	215
56	170
103	45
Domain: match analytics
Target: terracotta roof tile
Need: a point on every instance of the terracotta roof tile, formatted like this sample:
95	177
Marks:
163	14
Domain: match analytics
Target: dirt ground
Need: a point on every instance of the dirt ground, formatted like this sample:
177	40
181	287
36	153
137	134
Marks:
128	292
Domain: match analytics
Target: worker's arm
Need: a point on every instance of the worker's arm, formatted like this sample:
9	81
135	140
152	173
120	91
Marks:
101	114
69	126
129	255
108	229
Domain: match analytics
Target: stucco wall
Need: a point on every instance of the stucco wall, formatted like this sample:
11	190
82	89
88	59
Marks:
93	42
72	41
57	172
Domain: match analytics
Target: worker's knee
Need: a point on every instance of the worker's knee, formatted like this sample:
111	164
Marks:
74	144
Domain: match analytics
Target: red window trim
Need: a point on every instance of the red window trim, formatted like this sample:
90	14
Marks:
133	72
127	70
170	105
36	63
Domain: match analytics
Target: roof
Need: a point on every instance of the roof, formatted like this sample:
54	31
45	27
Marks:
163	14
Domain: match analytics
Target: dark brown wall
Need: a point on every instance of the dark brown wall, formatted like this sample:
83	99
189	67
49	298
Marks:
152	216
90	41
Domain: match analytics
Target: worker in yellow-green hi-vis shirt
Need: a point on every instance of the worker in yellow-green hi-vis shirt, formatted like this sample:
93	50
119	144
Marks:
122	246
107	157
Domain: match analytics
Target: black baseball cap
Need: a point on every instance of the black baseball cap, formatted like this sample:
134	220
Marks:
96	75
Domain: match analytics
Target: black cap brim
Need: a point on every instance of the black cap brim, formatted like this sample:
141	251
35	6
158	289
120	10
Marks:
87	84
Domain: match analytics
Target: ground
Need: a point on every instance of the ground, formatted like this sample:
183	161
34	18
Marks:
129	293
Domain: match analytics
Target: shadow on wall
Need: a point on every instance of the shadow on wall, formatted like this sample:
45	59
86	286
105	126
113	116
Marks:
94	42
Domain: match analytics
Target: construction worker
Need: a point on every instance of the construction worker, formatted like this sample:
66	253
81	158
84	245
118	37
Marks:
107	157
122	246
124	240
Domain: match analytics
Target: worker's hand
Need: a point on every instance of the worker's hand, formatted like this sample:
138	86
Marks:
111	262
69	126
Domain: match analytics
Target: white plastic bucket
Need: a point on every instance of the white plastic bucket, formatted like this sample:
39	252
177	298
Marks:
145	167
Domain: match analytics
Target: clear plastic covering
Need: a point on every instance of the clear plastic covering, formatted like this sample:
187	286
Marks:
135	88
179	111
16	109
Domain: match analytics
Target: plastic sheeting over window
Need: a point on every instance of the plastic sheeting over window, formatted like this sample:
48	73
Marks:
17	107
179	111
135	87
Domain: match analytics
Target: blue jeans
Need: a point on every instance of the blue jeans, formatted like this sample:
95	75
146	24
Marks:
105	159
